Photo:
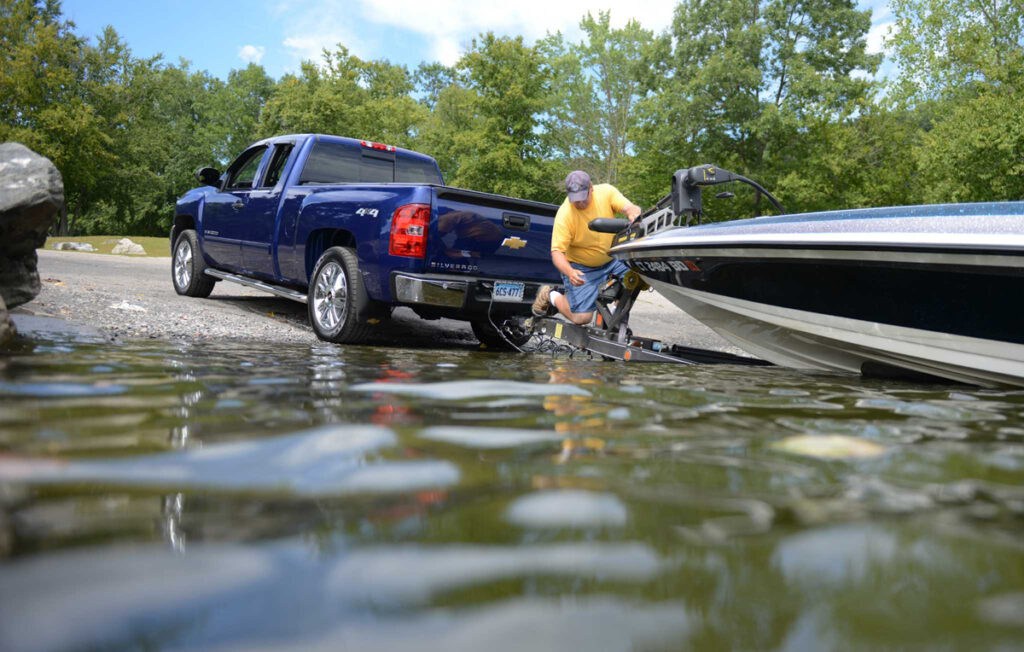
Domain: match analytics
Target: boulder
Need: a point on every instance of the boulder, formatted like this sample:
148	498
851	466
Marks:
74	246
126	246
31	194
6	325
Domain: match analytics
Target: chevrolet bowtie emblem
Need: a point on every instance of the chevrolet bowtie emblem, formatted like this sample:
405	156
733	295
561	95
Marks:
513	243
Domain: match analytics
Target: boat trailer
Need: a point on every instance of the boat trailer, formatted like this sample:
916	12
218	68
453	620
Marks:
611	338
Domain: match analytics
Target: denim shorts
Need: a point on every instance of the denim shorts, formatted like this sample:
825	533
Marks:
583	298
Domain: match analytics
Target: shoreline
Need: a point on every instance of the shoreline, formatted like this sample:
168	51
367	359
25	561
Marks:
122	298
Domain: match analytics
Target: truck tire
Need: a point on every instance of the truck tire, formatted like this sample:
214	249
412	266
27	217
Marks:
492	339
187	267
339	307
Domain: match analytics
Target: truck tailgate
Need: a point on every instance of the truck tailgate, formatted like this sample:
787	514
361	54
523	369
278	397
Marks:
487	235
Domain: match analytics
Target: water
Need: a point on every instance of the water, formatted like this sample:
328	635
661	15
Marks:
222	496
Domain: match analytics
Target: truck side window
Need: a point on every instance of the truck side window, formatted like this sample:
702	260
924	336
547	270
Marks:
281	153
331	163
244	172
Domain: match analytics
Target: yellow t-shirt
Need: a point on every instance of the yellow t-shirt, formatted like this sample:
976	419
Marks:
570	234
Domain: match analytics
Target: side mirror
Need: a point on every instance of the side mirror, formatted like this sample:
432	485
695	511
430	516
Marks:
208	176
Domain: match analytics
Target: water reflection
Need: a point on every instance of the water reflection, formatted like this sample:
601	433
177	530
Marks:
247	497
321	461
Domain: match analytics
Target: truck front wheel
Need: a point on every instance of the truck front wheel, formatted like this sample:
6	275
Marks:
187	267
337	300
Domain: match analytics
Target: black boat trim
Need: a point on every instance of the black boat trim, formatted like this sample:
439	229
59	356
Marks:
967	300
991	257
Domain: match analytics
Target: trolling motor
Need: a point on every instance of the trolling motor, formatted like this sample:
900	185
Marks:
687	184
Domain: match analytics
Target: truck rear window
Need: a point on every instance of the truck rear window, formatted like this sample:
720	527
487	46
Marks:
416	170
331	163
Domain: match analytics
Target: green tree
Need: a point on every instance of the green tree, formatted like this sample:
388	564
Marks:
963	64
45	100
431	79
348	97
863	160
746	79
597	84
235	109
501	150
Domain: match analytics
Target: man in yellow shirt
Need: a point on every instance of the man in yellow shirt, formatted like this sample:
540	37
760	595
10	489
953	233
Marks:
581	255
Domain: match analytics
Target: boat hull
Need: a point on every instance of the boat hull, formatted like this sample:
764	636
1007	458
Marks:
802	295
807	340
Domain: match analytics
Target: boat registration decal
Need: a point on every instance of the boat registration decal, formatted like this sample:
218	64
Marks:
660	265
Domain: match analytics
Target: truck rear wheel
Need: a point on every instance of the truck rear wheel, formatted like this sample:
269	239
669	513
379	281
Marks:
337	301
187	267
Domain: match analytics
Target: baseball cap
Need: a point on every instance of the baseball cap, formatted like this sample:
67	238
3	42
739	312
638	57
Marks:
577	184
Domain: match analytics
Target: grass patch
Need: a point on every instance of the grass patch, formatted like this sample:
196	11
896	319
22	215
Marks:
155	247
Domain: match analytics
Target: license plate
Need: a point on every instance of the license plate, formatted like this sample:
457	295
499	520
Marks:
507	291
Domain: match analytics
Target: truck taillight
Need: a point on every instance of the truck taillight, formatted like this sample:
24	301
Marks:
380	146
409	227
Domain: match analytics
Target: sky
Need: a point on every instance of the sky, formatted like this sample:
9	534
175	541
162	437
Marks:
279	34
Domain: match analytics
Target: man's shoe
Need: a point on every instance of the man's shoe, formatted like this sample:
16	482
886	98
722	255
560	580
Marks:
542	304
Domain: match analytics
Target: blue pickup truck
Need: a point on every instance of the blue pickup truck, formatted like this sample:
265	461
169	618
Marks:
355	228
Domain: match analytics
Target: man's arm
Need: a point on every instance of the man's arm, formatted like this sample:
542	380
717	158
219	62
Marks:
562	265
631	210
622	205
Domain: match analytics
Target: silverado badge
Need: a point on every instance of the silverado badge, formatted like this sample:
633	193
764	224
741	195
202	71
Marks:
513	243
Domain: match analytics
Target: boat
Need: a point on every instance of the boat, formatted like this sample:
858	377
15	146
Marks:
924	292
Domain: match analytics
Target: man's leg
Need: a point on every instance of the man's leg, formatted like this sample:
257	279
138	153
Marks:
561	302
579	302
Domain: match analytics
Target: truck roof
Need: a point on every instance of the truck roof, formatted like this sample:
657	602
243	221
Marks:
346	141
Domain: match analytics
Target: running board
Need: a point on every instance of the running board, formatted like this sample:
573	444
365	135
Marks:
259	285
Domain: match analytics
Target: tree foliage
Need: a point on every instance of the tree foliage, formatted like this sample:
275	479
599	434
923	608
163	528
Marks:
748	83
777	90
346	95
598	84
963	64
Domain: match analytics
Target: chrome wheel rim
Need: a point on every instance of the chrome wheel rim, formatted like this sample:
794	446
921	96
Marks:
330	296
183	264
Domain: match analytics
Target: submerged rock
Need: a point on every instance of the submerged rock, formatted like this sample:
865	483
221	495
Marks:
830	447
31	194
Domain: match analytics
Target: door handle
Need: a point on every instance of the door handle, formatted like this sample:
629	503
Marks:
515	222
238	205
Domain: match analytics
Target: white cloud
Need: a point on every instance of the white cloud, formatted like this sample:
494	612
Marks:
312	27
882	22
877	35
309	48
447	21
251	53
367	27
447	51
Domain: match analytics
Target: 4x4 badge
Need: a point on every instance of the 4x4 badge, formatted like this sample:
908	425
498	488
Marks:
513	243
